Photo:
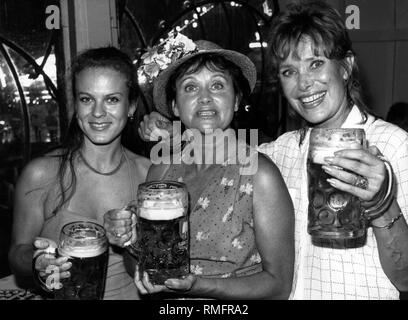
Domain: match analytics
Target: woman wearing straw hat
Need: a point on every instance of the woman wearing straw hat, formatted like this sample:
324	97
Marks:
241	218
313	60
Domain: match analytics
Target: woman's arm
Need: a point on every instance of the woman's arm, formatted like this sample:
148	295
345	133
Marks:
274	233
393	246
392	241
28	216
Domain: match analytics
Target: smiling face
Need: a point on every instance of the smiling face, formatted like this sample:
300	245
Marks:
205	100
315	86
102	104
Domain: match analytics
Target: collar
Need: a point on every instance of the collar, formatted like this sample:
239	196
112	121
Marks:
356	120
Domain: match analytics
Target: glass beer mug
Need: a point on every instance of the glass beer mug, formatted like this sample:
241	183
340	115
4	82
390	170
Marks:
162	245
86	245
332	214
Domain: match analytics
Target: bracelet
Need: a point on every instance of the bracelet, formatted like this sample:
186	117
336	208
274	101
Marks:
389	224
386	200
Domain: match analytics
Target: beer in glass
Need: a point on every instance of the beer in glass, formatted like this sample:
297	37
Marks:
86	246
332	214
162	246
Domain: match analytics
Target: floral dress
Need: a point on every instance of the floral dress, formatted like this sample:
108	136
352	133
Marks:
222	238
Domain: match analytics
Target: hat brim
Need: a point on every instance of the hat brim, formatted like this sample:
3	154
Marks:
159	90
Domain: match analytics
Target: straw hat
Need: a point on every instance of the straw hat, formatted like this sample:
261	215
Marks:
194	49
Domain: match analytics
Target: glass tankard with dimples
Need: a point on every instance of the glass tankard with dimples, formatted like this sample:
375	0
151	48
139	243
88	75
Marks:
332	214
86	246
162	230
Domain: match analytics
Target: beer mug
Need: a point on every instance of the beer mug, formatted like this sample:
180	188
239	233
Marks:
86	245
332	214
162	245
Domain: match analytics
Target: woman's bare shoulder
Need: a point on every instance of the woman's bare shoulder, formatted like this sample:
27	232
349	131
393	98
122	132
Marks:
157	172
268	174
266	166
142	164
41	170
138	159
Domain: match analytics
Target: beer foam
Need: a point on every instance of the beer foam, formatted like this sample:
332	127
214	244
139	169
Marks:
160	213
164	204
317	154
82	252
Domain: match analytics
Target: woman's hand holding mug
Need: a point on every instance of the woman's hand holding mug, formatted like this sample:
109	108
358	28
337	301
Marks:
120	226
48	269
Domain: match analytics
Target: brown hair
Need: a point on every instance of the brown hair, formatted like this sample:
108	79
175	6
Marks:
104	57
322	24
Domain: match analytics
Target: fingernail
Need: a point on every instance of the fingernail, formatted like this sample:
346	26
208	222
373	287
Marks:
326	168
169	283
331	181
329	160
56	285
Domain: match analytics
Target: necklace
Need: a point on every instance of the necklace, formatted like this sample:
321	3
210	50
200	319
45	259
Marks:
103	173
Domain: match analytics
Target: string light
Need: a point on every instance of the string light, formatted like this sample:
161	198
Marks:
266	9
257	44
234	4
2	78
193	22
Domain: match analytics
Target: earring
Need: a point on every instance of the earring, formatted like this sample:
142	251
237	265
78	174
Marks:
131	118
236	107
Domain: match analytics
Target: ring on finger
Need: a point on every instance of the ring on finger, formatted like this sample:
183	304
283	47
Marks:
361	182
117	234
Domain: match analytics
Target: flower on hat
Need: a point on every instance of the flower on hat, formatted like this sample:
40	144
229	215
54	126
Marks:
161	56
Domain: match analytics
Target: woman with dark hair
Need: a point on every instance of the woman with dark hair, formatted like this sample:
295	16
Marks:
241	215
313	60
90	174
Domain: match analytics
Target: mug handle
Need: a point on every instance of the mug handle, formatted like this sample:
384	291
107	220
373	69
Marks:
132	207
378	209
131	245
